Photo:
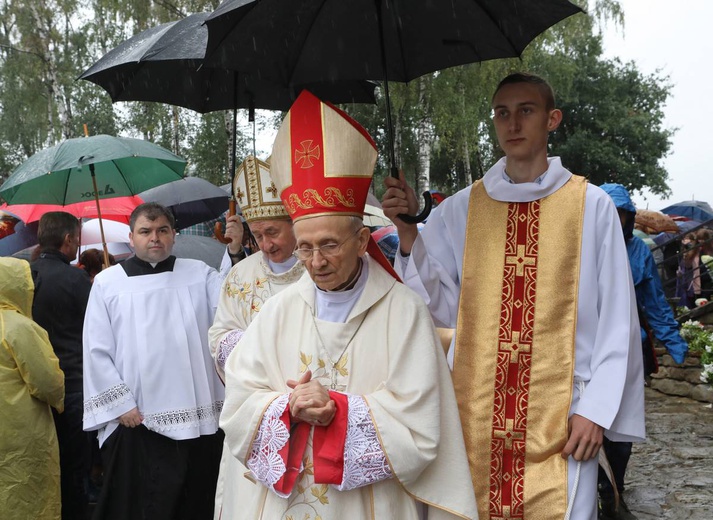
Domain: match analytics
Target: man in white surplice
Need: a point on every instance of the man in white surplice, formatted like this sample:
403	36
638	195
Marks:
338	396
607	396
150	387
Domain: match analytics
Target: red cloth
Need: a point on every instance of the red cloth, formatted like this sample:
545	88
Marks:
328	444
292	452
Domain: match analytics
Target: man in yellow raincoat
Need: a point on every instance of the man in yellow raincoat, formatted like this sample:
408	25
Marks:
30	383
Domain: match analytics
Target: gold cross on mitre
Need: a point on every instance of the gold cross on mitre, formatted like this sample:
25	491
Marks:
307	153
239	195
272	189
509	434
515	347
519	260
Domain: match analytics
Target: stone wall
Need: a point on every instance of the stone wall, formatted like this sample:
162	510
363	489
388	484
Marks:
681	380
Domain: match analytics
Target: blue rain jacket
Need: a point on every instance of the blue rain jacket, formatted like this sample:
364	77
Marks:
647	283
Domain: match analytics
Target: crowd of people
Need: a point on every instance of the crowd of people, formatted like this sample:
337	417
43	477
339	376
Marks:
308	379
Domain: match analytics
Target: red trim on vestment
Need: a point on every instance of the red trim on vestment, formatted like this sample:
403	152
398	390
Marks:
292	453
328	444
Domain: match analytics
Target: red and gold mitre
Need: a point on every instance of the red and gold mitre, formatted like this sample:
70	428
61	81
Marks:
322	160
255	192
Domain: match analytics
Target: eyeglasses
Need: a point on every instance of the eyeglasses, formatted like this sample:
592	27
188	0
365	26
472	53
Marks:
327	250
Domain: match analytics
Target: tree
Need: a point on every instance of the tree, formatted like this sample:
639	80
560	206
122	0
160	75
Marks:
612	129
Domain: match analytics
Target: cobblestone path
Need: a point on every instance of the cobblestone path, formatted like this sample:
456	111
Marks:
671	475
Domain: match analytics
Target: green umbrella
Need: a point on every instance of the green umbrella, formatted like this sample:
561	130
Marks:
62	174
96	167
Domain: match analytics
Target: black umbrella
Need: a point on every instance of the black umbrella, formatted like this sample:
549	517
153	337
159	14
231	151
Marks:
165	64
191	200
302	41
201	248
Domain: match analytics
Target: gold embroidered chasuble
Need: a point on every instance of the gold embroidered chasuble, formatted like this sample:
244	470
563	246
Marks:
515	340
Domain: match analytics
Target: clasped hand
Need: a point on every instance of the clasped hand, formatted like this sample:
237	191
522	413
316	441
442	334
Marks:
310	401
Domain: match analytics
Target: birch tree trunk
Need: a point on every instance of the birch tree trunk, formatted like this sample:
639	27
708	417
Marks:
424	133
57	99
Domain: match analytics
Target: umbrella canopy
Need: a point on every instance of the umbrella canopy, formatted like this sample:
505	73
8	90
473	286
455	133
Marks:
303	41
693	209
117	209
113	232
374	217
658	222
165	64
61	174
206	249
191	199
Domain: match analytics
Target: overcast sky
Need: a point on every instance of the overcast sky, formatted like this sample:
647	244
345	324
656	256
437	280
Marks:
676	38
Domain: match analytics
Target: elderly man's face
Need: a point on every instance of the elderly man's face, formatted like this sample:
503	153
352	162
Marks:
275	238
336	267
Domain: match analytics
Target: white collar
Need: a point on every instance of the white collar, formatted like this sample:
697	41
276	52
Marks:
499	186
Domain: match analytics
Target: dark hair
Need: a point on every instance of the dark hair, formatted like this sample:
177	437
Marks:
523	77
152	211
54	226
92	261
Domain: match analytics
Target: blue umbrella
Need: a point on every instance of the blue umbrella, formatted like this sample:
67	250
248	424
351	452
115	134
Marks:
693	209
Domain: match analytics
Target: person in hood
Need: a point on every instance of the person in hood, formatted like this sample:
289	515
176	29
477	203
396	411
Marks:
657	320
31	384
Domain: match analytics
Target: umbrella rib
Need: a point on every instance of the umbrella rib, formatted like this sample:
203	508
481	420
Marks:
494	22
300	48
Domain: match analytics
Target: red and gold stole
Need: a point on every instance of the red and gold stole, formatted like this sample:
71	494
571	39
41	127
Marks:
514	358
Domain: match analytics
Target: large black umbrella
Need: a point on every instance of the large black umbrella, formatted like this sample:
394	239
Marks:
191	200
303	41
165	64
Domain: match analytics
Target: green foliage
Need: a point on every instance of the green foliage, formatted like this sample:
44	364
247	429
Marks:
612	130
700	339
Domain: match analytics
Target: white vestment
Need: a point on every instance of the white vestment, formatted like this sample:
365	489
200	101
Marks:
400	394
245	290
607	344
146	346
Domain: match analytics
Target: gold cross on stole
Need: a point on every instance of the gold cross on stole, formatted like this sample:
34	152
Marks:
505	516
519	260
509	434
515	347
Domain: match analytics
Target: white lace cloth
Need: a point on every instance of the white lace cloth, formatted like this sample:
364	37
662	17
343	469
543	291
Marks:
227	344
364	459
365	462
180	419
264	461
107	399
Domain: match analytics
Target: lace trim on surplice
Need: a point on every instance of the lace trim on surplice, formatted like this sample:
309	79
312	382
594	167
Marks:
186	418
264	461
364	459
107	399
226	346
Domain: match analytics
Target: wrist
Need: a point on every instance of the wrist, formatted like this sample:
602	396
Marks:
237	256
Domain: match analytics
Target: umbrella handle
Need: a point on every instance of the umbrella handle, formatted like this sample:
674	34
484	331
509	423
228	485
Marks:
218	228
427	205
